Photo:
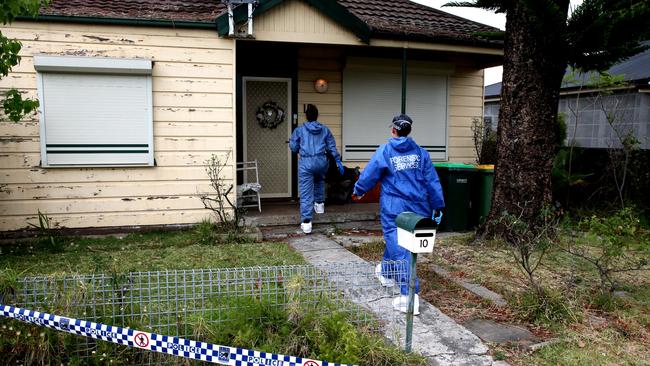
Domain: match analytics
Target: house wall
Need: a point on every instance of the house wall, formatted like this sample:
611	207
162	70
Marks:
465	98
297	21
465	103
327	63
193	118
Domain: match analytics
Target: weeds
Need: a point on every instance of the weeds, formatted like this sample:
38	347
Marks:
205	232
46	235
318	333
549	308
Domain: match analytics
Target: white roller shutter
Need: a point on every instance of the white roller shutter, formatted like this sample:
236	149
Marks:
94	118
372	96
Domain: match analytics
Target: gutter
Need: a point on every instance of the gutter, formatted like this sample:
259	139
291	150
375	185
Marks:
120	21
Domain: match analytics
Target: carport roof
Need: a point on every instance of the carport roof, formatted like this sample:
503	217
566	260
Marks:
401	19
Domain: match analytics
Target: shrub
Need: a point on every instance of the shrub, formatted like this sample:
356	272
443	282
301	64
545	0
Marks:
551	307
612	245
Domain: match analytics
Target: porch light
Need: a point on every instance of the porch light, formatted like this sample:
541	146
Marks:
321	85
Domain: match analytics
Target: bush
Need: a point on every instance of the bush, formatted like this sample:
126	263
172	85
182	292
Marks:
551	307
613	245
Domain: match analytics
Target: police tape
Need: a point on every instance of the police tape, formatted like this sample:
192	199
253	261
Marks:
159	343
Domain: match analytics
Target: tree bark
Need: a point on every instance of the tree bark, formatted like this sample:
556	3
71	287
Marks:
534	64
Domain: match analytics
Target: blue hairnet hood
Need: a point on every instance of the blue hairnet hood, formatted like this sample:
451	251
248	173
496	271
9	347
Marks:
314	127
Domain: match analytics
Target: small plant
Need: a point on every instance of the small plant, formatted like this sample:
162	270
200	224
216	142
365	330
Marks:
551	307
46	235
8	285
528	245
485	141
608	245
229	217
205	232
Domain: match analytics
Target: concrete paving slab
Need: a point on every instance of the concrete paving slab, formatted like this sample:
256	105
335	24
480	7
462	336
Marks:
435	335
477	290
490	331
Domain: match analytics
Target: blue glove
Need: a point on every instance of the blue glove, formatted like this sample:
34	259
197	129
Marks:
437	216
340	165
355	195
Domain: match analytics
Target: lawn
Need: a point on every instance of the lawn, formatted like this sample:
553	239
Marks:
139	252
238	316
591	329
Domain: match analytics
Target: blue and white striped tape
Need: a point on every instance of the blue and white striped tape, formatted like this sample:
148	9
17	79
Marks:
159	343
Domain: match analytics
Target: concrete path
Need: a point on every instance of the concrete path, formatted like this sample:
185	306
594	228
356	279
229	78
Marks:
435	335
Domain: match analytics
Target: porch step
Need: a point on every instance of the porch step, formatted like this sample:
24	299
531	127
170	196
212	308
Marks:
327	218
370	228
289	215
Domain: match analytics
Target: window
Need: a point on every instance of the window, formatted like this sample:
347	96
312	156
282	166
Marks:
372	96
95	111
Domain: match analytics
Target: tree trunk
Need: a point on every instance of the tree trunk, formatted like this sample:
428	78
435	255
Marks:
534	64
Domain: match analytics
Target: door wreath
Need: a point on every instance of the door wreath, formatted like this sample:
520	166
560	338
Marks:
270	115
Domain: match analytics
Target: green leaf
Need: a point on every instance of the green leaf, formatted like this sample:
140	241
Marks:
498	6
9	58
15	107
10	9
601	33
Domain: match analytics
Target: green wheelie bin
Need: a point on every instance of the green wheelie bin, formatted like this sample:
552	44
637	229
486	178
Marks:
455	179
482	192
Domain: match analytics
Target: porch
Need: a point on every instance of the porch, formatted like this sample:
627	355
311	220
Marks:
280	219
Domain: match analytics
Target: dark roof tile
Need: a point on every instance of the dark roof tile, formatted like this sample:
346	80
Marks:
387	18
406	18
179	10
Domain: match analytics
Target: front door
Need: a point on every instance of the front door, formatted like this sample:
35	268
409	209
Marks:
267	128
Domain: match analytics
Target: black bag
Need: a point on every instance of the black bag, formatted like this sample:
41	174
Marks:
339	186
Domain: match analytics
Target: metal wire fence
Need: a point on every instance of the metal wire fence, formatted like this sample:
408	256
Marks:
176	303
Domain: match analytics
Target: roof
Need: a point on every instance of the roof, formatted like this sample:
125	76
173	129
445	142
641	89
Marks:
634	70
408	19
381	18
178	10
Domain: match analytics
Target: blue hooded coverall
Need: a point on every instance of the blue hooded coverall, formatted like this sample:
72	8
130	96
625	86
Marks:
312	140
409	182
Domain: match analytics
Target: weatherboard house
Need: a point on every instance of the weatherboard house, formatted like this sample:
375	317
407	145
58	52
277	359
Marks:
135	96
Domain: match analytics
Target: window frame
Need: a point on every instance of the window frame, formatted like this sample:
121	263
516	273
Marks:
78	65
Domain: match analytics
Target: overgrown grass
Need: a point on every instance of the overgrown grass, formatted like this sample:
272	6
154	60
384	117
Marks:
595	329
322	333
141	252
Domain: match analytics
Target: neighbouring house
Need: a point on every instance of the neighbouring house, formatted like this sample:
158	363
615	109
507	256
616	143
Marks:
136	95
586	108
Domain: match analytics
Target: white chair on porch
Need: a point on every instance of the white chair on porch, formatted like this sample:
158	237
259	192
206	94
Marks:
250	190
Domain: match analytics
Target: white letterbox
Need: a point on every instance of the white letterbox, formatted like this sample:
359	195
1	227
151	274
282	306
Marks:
415	233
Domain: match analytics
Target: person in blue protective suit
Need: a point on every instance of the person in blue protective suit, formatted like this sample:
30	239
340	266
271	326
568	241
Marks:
313	141
409	182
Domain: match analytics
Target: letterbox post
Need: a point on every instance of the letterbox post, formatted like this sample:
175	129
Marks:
416	234
411	305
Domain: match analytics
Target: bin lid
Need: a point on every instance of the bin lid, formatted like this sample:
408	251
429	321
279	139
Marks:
454	166
485	167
